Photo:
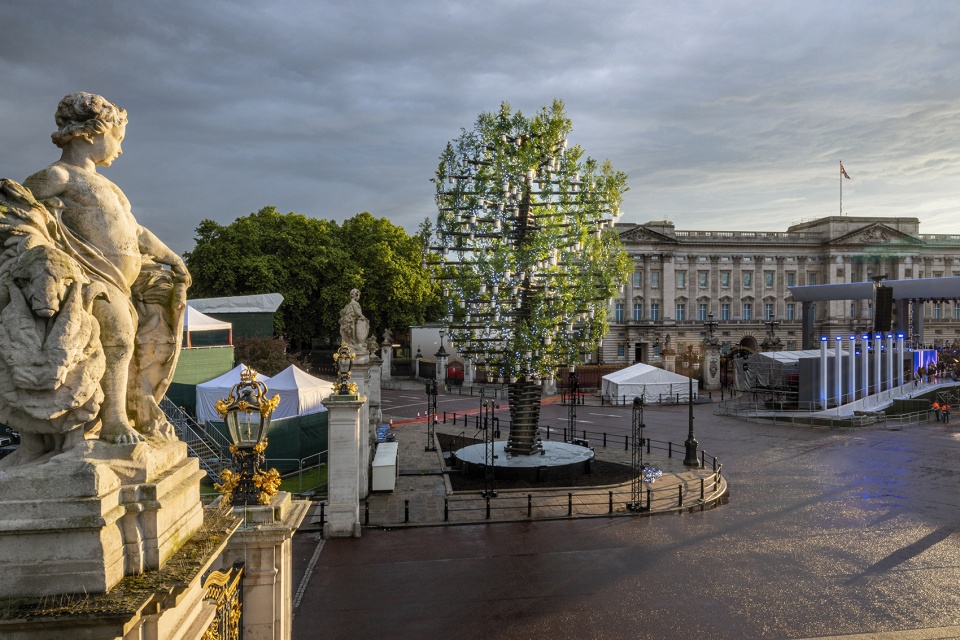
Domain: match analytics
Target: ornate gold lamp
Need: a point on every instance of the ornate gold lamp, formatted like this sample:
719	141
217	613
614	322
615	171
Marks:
247	412
343	359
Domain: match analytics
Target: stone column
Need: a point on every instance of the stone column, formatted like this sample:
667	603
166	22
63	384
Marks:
264	544
386	352
375	418
469	371
668	287
711	374
361	374
343	471
646	287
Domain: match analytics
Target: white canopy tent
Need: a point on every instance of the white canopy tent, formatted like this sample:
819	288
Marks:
194	322
212	390
300	393
648	382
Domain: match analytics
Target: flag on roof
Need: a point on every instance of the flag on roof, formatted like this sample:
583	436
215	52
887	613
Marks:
844	172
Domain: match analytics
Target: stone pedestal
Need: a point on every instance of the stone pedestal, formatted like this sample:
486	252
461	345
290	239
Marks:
669	360
343	466
81	521
264	544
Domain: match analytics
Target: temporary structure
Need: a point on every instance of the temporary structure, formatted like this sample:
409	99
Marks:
212	390
300	393
195	322
647	382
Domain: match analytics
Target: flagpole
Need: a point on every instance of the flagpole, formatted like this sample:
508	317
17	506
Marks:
841	187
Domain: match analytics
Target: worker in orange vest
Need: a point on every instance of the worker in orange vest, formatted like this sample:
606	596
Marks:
936	410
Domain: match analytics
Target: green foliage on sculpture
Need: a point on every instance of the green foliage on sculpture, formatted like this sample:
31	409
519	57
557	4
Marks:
524	245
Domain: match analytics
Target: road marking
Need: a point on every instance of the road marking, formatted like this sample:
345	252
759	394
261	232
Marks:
607	415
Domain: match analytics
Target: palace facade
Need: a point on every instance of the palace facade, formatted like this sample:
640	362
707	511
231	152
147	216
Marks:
743	279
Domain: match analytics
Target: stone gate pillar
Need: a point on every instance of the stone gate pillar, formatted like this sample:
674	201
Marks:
343	466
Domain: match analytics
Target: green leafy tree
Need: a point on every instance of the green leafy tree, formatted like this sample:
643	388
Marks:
314	264
526	251
396	289
268	252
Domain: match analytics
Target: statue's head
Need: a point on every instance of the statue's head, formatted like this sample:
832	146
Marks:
84	115
354	294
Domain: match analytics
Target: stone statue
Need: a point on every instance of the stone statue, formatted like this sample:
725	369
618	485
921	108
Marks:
387	337
354	327
91	320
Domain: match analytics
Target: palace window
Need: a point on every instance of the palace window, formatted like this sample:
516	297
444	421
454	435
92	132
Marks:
747	311
725	279
702	312
638	311
655	279
747	279
681	279
791	311
768	311
791	278
725	311
681	312
768	279
618	312
655	311
703	275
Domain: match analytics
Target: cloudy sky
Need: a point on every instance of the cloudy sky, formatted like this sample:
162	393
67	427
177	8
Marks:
724	114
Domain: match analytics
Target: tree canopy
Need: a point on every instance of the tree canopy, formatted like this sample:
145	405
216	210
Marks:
314	264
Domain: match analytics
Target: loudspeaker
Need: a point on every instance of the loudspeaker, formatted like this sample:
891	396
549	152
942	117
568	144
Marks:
883	309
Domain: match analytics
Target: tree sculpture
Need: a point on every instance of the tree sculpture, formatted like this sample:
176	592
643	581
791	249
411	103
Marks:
526	252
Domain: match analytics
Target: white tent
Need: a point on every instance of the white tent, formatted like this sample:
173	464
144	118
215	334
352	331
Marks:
212	390
193	320
648	382
300	393
196	322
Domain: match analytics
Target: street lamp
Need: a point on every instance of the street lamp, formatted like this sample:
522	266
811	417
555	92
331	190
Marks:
691	459
431	389
710	325
247	412
343	359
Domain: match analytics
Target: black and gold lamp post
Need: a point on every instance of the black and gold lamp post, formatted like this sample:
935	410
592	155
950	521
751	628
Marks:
247	412
343	359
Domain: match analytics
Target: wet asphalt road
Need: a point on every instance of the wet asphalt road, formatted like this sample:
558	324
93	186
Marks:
825	533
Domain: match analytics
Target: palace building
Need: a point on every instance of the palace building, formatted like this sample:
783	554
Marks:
743	278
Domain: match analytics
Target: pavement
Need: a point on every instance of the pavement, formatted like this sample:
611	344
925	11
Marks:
827	532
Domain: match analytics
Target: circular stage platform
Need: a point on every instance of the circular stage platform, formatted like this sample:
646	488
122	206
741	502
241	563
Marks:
559	461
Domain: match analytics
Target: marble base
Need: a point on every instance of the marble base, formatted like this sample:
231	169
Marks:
82	520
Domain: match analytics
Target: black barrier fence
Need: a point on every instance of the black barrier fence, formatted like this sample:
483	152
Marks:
697	493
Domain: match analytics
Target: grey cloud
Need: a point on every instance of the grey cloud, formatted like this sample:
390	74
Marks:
735	111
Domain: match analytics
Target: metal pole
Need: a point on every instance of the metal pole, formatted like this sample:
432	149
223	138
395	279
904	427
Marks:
691	459
636	458
431	415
